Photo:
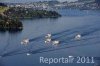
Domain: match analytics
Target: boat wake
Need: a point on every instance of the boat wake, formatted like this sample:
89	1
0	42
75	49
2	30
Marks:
66	40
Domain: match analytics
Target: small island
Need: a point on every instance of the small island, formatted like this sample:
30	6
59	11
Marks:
10	17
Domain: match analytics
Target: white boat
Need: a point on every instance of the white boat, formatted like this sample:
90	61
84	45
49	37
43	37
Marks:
48	35
25	41
70	56
78	37
28	54
48	40
55	42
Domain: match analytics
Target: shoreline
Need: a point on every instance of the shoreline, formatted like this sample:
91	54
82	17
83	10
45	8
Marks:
10	18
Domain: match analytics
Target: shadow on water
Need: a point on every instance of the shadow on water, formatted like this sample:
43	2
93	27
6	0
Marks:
29	51
66	32
47	49
86	30
80	30
37	38
8	39
60	34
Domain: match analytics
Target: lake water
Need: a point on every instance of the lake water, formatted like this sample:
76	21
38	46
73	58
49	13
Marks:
64	29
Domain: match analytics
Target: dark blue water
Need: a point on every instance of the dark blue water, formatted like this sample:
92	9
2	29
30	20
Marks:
85	22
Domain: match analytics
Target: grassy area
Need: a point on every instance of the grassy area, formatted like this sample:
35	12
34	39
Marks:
2	9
